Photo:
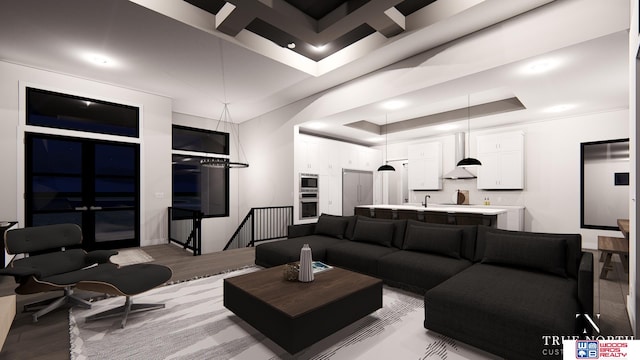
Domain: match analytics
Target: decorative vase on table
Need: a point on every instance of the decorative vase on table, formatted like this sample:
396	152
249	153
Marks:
305	273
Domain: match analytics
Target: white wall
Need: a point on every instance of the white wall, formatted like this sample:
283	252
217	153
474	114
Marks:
605	202
552	171
155	144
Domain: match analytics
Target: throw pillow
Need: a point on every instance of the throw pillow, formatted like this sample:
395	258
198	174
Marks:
545	254
331	225
376	232
435	240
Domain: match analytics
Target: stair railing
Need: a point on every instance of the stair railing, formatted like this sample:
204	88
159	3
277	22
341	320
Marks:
185	229
261	224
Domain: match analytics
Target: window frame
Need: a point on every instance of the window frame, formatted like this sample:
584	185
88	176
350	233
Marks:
198	155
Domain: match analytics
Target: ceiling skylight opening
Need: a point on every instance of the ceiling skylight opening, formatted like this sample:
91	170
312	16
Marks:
394	104
560	108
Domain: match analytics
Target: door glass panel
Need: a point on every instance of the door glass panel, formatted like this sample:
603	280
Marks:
56	156
55	202
56	184
115	185
57	218
115	201
115	225
115	160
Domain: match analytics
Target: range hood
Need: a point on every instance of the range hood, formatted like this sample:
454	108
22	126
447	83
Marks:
459	172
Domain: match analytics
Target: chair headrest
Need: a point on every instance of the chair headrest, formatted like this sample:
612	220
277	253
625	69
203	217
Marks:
38	238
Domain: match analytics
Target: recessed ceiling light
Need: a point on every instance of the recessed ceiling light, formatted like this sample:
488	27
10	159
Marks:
320	48
291	45
559	108
393	104
99	60
540	66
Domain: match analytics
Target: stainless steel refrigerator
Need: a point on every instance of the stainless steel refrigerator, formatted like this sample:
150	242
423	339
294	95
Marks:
357	189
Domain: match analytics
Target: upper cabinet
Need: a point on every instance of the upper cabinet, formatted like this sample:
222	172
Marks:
502	157
425	166
308	156
327	157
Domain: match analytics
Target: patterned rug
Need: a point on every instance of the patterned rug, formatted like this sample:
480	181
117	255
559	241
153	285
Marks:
195	325
131	256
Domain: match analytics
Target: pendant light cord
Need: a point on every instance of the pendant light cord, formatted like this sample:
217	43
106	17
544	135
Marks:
468	125
386	138
226	114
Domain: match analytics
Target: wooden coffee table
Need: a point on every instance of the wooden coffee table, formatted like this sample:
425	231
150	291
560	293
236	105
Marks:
295	315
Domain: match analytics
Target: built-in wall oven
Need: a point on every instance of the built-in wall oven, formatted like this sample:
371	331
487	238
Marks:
308	196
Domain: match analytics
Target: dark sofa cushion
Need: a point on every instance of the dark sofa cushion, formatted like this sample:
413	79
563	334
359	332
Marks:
357	256
417	271
286	251
398	225
533	252
376	232
573	252
331	225
469	233
503	310
443	241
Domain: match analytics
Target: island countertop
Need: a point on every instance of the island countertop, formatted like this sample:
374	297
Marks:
465	209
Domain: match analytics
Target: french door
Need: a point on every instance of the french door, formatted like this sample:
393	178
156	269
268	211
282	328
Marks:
92	183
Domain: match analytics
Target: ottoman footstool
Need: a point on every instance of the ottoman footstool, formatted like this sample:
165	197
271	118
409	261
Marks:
127	281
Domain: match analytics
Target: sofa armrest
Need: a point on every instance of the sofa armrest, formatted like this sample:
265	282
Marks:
585	283
294	231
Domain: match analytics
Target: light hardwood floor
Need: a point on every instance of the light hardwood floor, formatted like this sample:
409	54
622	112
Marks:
49	337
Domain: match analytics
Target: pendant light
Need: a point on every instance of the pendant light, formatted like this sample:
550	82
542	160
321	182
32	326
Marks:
386	166
469	161
225	117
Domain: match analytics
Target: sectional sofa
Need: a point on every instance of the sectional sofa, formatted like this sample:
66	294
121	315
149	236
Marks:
505	292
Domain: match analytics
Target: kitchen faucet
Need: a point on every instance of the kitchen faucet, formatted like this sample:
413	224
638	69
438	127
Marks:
425	200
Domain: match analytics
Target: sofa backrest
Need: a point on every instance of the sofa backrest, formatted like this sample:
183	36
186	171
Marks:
468	238
558	254
399	227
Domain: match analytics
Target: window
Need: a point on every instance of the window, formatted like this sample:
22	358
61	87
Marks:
196	187
62	111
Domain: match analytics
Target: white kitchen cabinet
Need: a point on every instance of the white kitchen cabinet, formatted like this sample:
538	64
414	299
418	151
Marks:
330	194
425	166
307	155
369	159
356	157
334	206
502	158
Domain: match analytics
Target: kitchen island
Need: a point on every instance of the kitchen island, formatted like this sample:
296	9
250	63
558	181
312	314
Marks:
502	217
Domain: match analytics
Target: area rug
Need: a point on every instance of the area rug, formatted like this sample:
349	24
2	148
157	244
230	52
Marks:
196	325
131	256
